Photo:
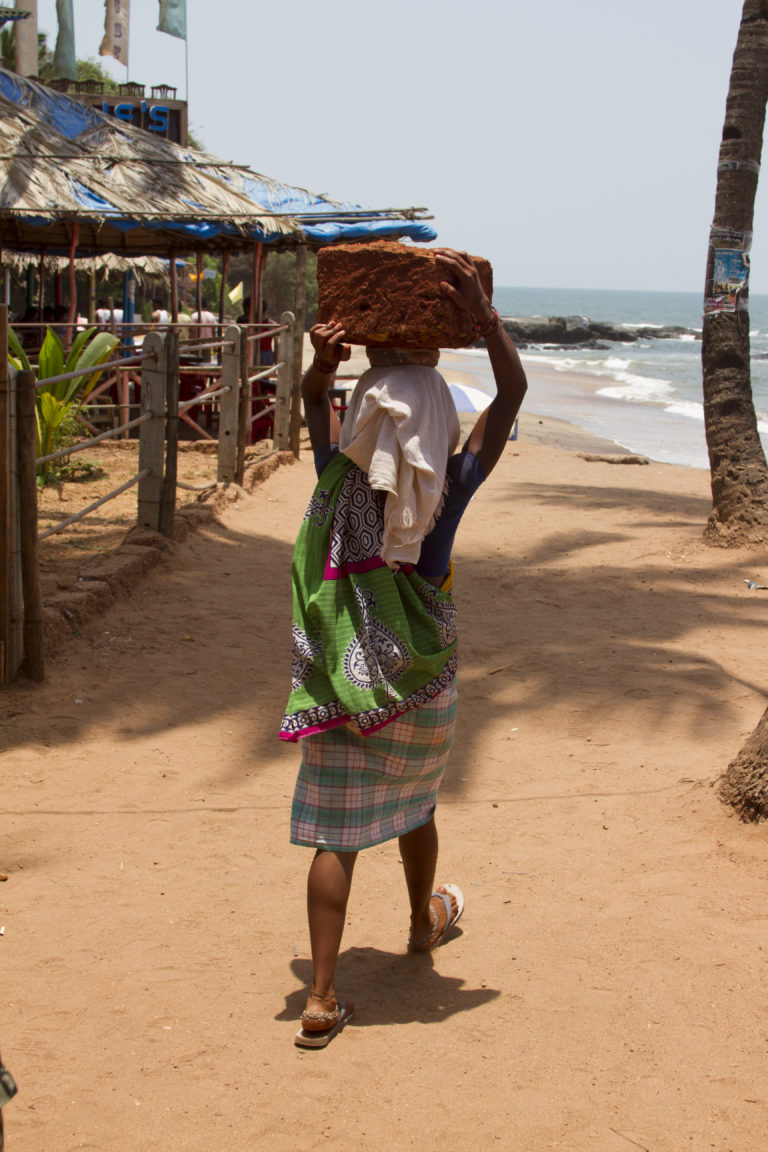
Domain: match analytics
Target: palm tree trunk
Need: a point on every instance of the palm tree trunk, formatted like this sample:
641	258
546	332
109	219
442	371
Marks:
744	784
737	462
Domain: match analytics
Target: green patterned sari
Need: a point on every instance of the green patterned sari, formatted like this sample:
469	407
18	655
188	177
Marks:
368	643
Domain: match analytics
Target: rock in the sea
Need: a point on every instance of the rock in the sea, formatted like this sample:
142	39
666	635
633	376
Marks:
581	332
387	295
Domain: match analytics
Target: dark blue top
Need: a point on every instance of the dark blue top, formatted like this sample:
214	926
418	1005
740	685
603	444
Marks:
465	474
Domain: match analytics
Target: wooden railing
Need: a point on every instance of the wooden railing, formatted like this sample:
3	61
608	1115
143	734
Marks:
230	389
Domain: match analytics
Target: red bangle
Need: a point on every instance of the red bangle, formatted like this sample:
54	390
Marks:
489	326
321	365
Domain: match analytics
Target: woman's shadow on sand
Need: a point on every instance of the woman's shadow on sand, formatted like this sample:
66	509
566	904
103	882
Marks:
387	988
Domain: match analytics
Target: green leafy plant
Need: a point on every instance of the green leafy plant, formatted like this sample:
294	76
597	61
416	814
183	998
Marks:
59	400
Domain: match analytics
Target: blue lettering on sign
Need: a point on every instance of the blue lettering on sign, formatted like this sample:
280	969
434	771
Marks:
159	115
158	118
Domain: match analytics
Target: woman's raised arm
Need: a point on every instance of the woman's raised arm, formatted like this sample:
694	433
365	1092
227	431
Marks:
491	432
322	421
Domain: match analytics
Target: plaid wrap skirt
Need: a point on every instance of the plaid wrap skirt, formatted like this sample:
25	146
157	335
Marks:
355	791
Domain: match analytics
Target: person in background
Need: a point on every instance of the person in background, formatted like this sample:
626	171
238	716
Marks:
266	343
204	328
373	699
106	317
103	314
205	325
31	337
160	317
59	325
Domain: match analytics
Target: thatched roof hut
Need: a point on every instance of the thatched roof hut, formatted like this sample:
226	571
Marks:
65	164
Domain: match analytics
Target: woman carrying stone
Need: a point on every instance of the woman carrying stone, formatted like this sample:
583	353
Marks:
373	699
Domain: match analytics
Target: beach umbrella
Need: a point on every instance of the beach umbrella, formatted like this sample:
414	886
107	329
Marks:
469	399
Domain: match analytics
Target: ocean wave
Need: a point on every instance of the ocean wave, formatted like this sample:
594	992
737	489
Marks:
688	408
561	363
473	353
638	389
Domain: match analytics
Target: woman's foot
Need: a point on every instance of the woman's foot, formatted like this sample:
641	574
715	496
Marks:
320	1013
446	905
321	1020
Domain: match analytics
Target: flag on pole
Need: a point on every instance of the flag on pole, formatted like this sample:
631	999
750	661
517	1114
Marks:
236	293
173	18
117	15
64	61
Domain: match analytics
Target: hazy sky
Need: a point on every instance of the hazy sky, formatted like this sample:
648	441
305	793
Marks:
572	144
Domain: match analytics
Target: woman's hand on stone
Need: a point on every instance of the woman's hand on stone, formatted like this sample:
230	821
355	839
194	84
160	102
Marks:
466	291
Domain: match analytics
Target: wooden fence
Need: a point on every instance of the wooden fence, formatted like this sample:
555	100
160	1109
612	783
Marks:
231	389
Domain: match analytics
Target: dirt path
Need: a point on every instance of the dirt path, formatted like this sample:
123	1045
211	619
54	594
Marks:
607	989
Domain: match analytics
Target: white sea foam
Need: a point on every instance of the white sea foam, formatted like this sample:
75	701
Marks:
474	353
561	363
688	408
638	389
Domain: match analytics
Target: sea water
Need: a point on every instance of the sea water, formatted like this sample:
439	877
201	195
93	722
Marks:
647	396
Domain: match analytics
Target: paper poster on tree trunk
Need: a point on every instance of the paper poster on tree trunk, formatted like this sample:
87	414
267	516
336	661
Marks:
116	30
727	271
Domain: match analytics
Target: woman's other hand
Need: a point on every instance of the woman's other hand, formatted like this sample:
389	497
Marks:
327	343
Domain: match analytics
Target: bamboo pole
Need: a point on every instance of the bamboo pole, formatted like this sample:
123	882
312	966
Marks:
168	487
298	347
151	437
11	603
282	421
229	405
41	297
25	39
199	287
92	296
34	628
72	286
244	416
223	292
15	655
6	674
174	289
253	306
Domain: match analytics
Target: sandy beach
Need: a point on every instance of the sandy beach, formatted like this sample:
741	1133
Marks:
605	990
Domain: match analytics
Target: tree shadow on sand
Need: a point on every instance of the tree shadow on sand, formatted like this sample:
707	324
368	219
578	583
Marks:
537	650
389	989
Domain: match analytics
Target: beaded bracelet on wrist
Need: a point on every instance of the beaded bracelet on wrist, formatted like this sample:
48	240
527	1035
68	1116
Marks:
488	326
320	365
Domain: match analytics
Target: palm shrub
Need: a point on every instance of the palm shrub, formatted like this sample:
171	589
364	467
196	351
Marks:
59	399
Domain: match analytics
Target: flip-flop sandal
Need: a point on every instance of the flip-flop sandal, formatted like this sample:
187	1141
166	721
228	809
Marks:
451	919
307	1039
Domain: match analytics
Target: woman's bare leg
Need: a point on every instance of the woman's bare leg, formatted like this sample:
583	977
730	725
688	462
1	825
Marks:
418	851
328	885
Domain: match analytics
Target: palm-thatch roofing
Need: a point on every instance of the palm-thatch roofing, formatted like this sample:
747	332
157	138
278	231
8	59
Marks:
64	163
144	268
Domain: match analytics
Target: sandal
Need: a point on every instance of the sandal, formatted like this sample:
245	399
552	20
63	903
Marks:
319	1028
438	935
